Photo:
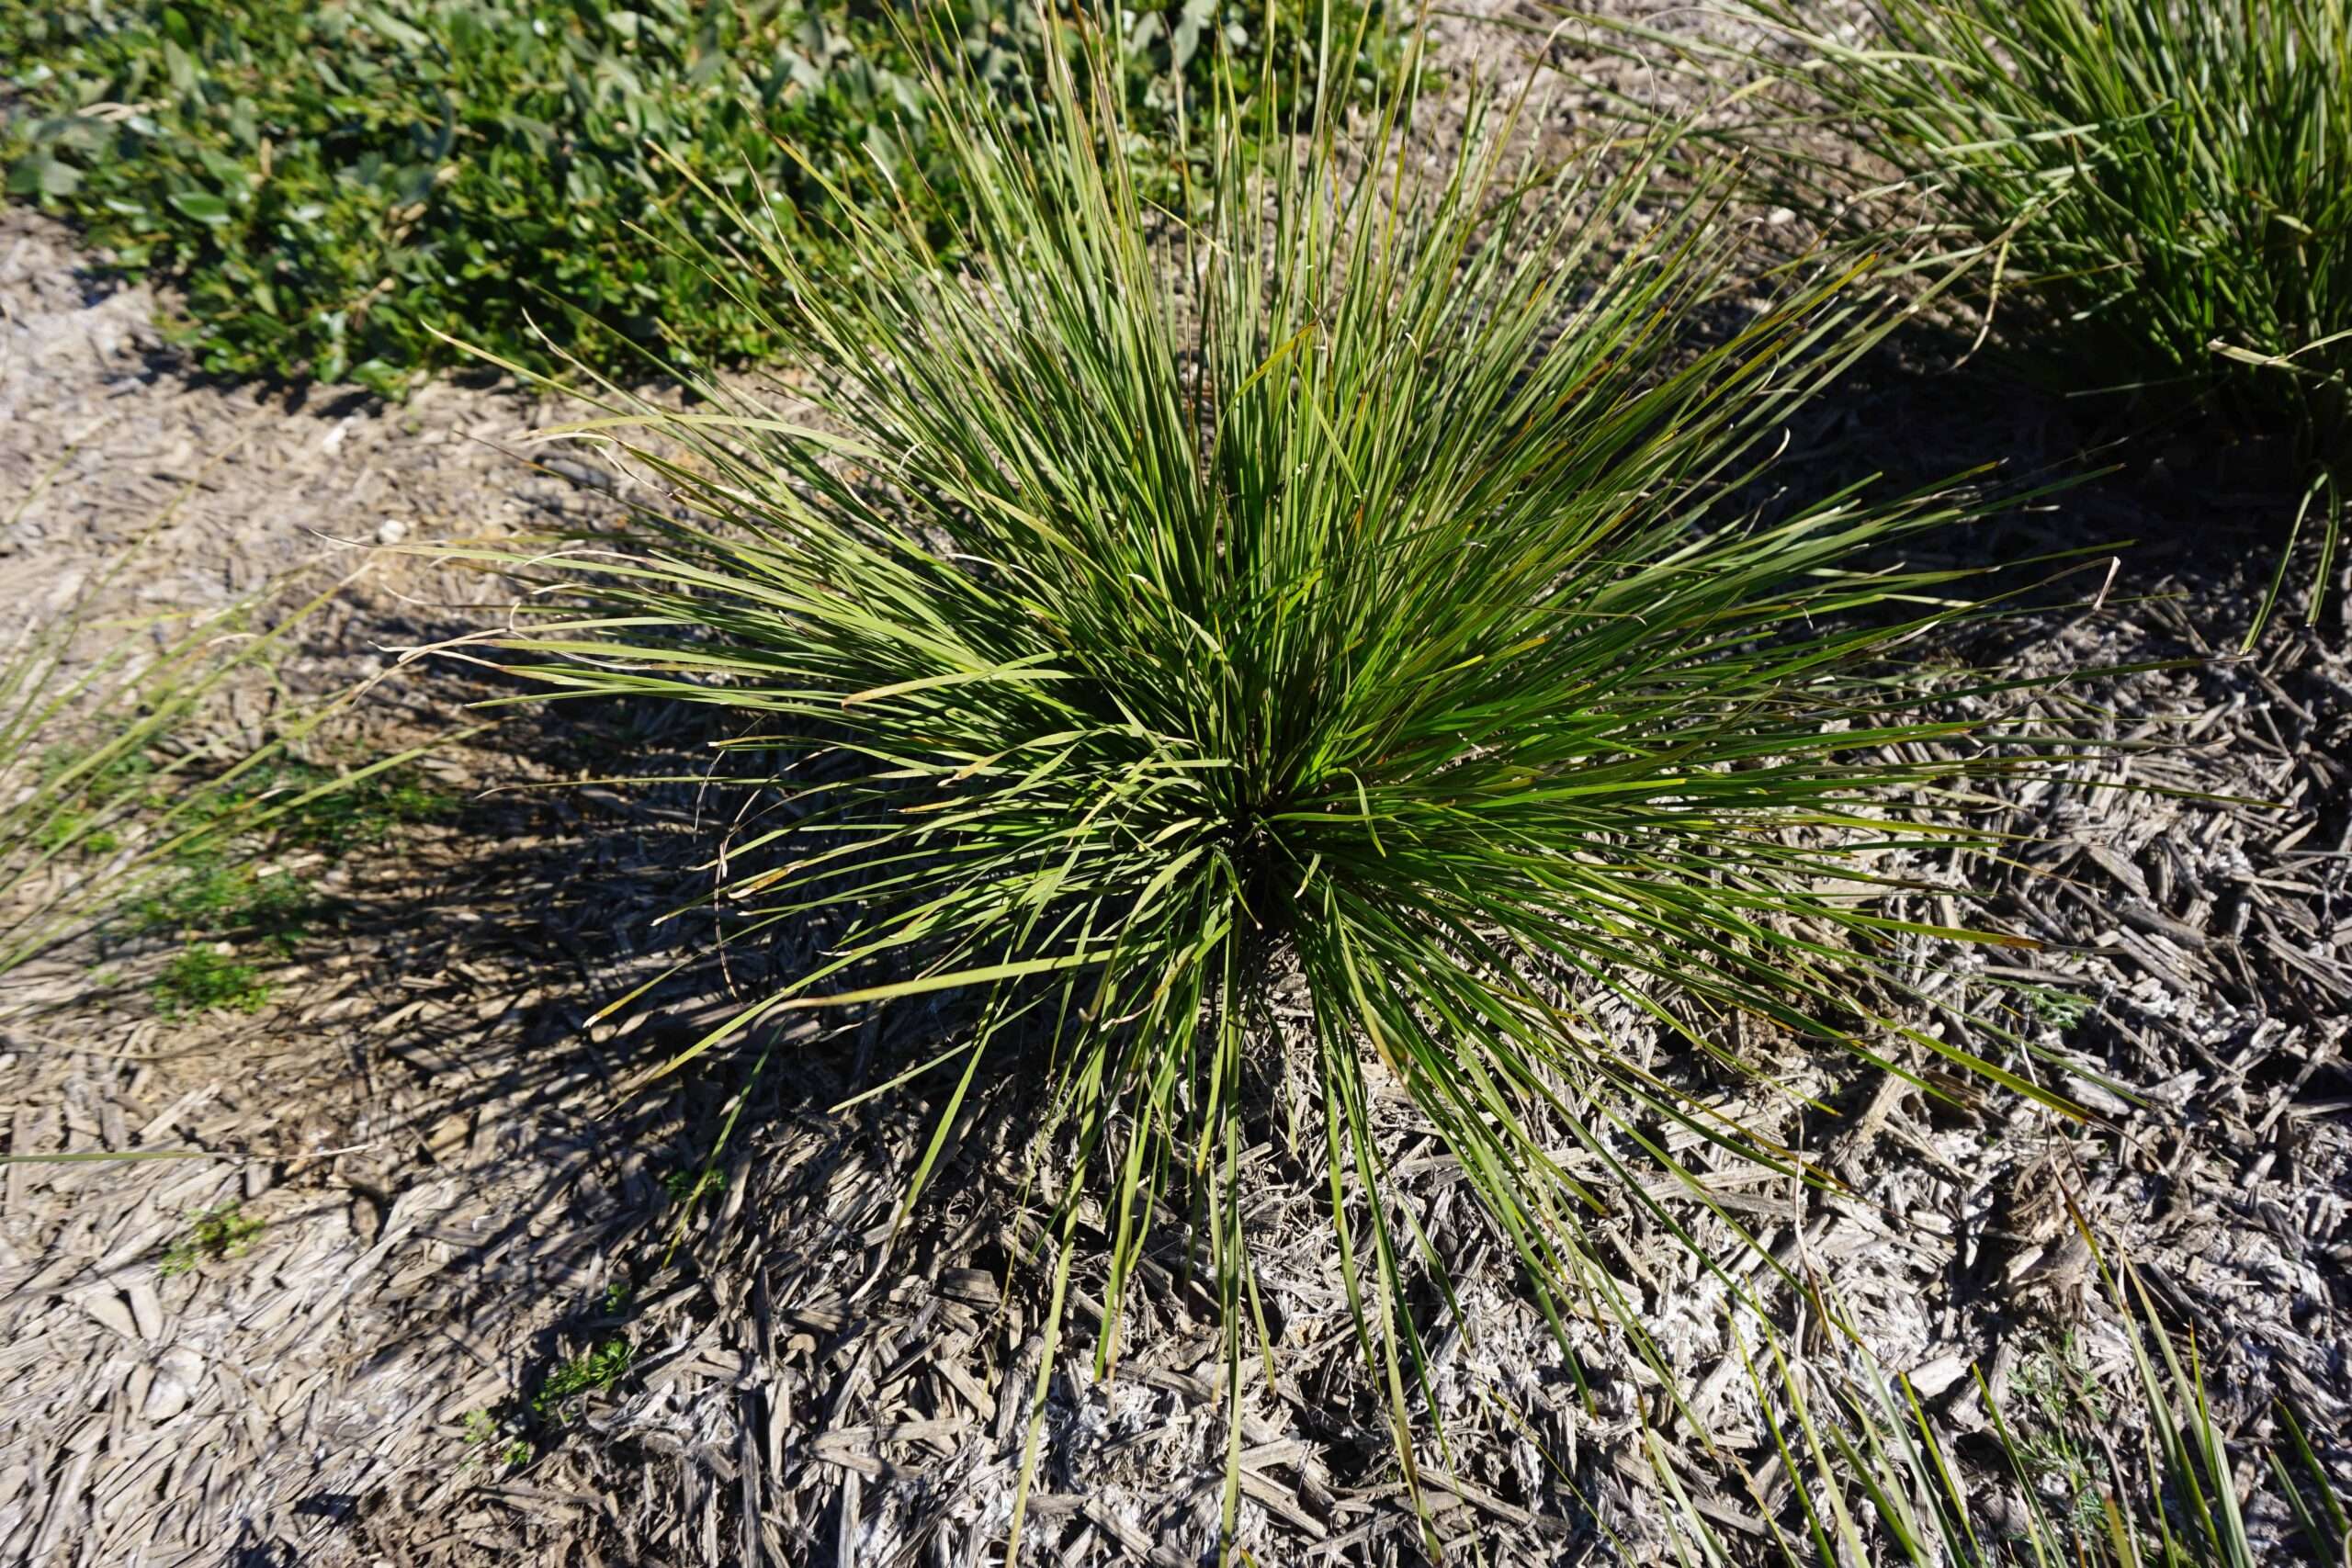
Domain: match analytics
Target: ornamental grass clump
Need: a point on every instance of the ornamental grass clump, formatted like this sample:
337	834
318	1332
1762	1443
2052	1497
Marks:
1346	588
2158	192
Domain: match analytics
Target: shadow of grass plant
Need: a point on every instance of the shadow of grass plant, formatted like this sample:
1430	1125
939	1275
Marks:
1342	585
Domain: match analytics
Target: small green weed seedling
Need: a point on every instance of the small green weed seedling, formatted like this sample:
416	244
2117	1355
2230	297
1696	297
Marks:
480	1430
2056	1401
217	887
592	1370
215	1235
76	822
204	979
2062	1010
217	897
685	1184
352	816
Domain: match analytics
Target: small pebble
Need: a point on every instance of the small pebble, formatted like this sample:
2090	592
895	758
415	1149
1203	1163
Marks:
107	1308
175	1380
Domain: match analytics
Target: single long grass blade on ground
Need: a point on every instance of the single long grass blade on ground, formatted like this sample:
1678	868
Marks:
2157	193
1339	589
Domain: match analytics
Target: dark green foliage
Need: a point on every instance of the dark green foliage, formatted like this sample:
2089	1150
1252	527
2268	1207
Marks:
204	979
598	1368
335	183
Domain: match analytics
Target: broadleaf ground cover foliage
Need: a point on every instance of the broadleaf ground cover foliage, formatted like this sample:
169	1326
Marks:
335	185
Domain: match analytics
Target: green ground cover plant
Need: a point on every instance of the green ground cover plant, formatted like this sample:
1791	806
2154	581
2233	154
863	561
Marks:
336	186
222	885
2158	193
1332	582
204	979
599	1367
234	882
108	789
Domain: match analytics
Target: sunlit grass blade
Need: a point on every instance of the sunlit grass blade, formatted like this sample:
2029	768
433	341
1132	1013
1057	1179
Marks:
2143	1474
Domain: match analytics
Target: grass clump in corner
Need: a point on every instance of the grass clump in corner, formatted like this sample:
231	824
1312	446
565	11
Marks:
111	782
1337	589
2158	192
334	185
